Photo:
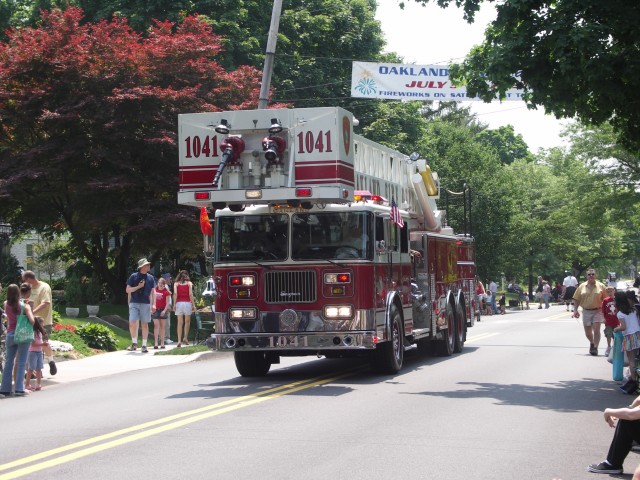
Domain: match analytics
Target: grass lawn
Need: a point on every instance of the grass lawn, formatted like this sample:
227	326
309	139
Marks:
123	338
184	350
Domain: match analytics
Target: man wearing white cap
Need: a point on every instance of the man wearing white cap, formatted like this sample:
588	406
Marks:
142	304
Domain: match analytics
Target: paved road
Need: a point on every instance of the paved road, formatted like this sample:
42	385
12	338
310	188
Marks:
523	401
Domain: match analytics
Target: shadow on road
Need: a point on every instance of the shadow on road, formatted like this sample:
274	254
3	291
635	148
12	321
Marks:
356	371
560	396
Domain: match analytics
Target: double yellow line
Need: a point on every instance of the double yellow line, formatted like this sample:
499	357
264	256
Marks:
90	446
563	315
481	336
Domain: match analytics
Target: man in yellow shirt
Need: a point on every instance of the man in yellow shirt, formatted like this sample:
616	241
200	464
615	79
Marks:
43	307
589	296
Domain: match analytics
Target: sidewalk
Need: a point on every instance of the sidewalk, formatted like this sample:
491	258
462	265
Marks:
112	363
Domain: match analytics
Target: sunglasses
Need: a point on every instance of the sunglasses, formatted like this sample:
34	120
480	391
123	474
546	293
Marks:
591	274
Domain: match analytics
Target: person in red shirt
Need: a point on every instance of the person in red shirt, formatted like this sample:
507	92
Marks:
160	315
610	319
184	305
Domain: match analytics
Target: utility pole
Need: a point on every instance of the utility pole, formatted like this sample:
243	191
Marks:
270	54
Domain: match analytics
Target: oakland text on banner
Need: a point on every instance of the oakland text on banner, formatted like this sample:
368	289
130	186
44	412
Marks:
410	82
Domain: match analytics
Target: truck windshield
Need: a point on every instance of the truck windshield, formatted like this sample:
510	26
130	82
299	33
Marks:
332	235
252	238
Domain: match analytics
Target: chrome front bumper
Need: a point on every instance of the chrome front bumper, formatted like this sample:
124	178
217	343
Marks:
312	341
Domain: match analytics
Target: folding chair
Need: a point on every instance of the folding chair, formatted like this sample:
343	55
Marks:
205	326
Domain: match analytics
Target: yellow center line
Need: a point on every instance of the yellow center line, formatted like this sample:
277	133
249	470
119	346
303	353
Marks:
171	422
565	315
482	336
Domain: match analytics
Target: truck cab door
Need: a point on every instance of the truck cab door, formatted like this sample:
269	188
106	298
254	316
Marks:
388	253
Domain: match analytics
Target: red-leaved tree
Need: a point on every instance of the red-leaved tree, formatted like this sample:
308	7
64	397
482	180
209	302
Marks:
88	128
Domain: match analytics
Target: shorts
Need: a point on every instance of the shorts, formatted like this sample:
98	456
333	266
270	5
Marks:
35	361
158	315
608	331
591	317
568	294
140	312
183	308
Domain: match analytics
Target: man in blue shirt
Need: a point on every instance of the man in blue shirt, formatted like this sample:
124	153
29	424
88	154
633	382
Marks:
142	303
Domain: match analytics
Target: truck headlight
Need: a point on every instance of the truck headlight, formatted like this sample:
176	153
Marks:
242	313
338	311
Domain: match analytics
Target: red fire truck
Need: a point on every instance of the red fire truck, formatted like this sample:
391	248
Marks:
324	243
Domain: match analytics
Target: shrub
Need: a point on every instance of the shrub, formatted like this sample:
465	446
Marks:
74	339
97	336
94	289
73	291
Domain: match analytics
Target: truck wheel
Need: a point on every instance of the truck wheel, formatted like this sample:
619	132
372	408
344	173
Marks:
448	340
389	356
461	327
251	364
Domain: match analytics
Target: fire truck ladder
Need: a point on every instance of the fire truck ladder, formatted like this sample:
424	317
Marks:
394	175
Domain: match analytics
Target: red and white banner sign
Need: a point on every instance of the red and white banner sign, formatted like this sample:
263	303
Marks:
410	82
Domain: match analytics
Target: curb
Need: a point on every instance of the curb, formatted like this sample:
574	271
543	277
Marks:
201	356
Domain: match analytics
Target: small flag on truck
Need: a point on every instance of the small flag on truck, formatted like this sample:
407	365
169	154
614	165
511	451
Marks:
395	214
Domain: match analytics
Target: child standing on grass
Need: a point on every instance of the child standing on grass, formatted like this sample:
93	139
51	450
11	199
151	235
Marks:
35	354
610	319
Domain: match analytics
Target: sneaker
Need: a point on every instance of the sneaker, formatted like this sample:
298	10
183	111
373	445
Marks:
603	467
133	347
592	349
168	341
607	351
22	393
52	368
629	387
144	349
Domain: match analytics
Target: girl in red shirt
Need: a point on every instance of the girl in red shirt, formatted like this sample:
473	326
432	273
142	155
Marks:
160	315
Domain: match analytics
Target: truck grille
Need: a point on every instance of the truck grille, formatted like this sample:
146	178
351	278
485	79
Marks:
290	287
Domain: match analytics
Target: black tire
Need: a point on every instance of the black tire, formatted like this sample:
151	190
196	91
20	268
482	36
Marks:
388	357
461	326
252	364
448	340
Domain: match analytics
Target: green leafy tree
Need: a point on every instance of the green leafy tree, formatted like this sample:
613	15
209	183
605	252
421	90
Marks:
46	258
88	133
506	144
574	57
